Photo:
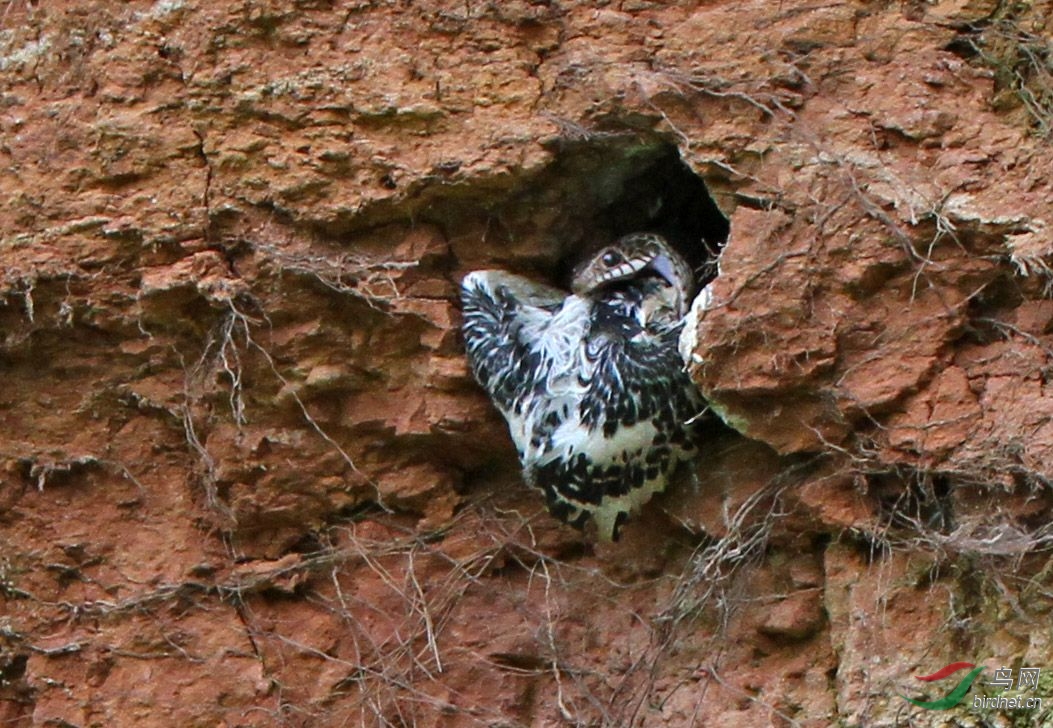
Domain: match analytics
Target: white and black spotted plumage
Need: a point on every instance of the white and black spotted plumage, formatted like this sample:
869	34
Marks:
591	383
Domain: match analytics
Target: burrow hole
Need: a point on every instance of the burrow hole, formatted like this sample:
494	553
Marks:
594	192
647	188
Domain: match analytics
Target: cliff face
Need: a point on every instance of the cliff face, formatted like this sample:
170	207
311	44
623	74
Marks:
246	477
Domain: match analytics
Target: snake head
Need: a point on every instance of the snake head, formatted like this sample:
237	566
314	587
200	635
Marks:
634	256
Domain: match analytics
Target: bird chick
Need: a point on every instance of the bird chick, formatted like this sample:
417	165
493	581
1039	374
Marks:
591	383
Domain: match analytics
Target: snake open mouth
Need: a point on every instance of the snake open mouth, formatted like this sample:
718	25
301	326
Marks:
665	268
660	267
